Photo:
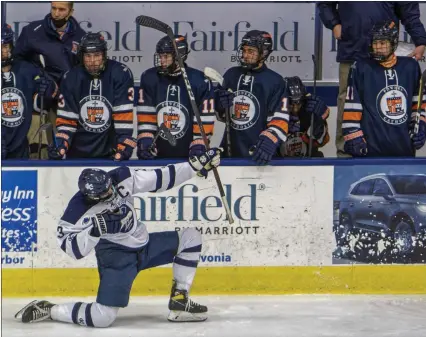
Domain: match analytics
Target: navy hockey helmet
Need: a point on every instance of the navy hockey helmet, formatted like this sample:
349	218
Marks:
296	89
168	65
384	31
96	185
93	43
259	39
7	38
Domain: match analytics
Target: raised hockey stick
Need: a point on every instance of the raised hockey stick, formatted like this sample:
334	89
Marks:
419	103
312	115
147	21
216	77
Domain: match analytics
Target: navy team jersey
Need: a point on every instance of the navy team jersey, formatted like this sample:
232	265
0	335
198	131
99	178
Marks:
380	102
95	115
164	99
75	225
260	103
18	97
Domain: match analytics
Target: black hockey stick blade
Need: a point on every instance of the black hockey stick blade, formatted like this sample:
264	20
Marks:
166	132
147	21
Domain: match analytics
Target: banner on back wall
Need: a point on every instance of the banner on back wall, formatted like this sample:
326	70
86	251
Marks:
213	30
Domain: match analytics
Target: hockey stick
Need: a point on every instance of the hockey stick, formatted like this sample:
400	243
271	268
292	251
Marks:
166	132
419	103
147	21
216	77
312	115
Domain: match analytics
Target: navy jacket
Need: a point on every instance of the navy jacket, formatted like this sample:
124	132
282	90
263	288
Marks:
357	19
60	54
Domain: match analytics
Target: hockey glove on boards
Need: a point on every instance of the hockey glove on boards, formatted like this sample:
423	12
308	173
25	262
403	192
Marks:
205	162
109	222
144	143
355	144
58	151
124	150
266	147
418	139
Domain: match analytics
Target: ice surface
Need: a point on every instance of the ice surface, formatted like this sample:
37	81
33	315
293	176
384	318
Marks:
246	316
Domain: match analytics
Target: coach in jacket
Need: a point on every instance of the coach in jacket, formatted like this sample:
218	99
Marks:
351	22
57	38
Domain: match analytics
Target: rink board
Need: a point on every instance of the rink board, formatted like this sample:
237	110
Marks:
282	240
356	279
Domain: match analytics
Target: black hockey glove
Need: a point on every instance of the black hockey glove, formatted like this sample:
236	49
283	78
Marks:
109	222
265	148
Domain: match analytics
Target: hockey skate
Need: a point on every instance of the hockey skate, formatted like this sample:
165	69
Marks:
183	309
36	311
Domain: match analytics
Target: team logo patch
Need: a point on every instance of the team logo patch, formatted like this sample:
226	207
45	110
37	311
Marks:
175	116
12	107
392	104
294	146
245	111
96	113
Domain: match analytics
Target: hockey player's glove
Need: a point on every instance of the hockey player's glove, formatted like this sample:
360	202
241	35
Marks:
197	148
112	223
57	151
419	139
125	150
355	144
46	87
315	105
294	124
223	98
206	162
145	148
266	147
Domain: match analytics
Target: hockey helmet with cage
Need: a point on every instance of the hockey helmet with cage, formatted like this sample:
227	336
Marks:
93	43
384	31
96	185
296	88
165	46
259	39
7	38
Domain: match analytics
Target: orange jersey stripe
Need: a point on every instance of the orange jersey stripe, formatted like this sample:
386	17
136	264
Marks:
147	118
208	128
61	121
283	125
128	117
352	116
415	106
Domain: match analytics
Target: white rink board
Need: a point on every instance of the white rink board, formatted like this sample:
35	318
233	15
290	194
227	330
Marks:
213	30
283	216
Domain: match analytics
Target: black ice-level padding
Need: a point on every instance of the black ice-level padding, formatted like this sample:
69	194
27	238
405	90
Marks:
147	21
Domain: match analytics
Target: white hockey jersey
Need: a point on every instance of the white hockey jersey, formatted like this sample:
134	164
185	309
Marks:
75	225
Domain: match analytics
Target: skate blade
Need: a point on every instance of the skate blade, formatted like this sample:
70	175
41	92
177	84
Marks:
18	315
184	316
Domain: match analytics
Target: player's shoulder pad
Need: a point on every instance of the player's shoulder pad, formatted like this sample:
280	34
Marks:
76	208
150	75
120	70
231	71
408	61
120	174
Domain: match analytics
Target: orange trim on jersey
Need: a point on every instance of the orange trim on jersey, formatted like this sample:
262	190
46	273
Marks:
128	117
415	106
352	116
61	121
147	118
208	129
145	135
354	135
283	125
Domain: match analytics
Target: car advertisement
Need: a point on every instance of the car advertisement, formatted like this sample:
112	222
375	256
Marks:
379	214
